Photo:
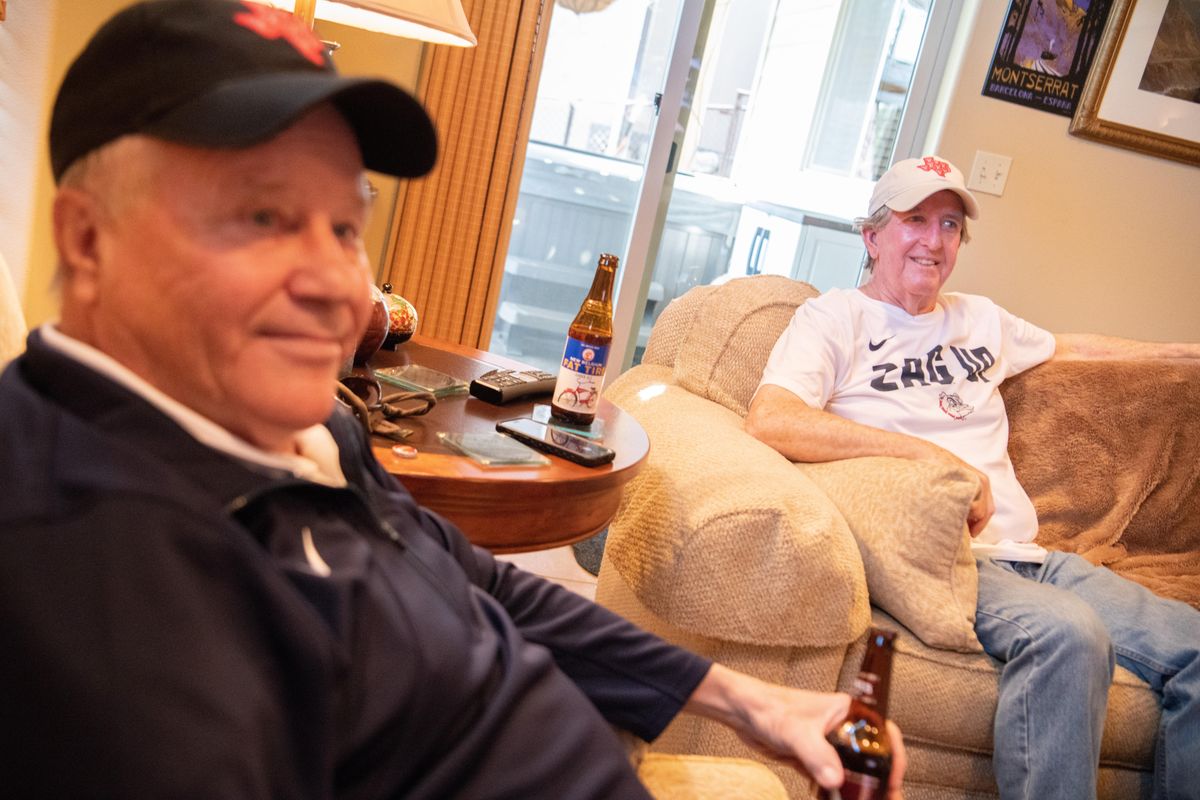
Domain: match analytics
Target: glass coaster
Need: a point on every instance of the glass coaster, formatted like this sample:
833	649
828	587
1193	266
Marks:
422	379
541	413
494	449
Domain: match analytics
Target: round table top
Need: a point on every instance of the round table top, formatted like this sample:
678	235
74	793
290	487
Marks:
506	509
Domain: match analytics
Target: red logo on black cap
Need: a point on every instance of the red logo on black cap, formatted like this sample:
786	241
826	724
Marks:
933	165
272	23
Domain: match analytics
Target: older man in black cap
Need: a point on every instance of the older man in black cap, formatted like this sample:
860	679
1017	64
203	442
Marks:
208	587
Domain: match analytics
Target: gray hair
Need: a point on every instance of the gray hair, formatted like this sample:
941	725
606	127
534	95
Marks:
114	175
116	172
881	217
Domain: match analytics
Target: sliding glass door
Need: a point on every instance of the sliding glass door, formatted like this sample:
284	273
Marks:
779	115
591	139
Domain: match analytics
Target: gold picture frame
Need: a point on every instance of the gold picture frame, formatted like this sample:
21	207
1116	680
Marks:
1113	110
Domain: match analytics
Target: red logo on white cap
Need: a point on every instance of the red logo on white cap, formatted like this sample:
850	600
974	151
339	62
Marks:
272	23
931	164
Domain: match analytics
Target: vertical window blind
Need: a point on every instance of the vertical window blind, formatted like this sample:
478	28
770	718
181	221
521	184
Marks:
450	230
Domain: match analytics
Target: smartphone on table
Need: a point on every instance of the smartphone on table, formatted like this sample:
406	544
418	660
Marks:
557	442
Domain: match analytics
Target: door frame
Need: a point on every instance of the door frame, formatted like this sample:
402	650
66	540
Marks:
913	137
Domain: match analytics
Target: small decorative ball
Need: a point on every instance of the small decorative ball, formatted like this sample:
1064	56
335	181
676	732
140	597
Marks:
402	318
377	328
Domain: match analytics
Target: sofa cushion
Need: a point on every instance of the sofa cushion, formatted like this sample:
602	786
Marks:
908	518
721	536
734	328
948	700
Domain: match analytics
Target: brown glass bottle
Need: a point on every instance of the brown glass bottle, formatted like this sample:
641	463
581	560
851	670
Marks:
861	739
585	357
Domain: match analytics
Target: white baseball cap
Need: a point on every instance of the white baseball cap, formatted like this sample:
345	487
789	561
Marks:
910	181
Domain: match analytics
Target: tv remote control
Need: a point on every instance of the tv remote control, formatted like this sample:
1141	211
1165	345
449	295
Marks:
505	385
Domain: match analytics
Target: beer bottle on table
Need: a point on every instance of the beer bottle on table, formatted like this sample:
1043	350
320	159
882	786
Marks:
581	374
861	739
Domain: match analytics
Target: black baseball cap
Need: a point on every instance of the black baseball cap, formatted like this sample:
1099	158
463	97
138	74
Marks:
224	73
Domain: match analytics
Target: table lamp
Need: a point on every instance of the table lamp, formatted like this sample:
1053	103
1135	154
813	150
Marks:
438	21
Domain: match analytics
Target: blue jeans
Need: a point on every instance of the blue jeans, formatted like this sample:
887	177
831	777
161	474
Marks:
1058	627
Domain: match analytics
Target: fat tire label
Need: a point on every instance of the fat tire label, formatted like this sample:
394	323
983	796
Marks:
581	376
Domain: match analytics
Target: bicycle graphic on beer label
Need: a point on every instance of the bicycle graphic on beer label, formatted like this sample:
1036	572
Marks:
581	376
581	396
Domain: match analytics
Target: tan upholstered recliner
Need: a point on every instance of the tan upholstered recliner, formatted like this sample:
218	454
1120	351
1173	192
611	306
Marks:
777	568
12	321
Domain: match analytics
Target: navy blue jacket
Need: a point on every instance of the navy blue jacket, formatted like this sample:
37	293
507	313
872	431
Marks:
165	636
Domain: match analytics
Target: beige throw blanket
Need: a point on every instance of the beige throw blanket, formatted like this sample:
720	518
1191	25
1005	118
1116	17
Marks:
1110	453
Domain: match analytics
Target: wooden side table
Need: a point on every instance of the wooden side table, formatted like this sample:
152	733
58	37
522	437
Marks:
506	509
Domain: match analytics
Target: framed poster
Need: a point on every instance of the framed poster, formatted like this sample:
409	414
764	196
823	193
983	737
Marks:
1044	53
1134	98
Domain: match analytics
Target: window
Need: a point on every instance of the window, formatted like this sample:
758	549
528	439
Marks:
793	108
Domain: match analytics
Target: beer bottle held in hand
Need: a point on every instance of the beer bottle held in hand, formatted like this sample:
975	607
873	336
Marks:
861	739
581	374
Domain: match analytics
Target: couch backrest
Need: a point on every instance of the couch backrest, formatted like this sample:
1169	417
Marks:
718	337
672	325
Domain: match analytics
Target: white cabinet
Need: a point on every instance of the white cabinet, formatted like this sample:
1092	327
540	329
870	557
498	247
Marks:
775	240
829	257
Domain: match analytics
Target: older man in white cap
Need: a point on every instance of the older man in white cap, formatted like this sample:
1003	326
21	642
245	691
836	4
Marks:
897	367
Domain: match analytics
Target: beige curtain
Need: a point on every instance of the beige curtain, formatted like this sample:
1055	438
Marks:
450	230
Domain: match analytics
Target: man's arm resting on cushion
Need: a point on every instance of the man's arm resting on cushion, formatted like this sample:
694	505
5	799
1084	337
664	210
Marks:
779	418
1090	346
785	722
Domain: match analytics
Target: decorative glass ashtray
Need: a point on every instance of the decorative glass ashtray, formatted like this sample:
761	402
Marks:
416	378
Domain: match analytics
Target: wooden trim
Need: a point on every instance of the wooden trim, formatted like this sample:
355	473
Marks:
306	10
1087	121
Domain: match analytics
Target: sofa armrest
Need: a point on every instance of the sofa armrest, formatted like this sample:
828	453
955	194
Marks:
1107	452
668	776
721	536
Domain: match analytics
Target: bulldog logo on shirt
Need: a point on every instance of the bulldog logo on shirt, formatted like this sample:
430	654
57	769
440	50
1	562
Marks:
953	405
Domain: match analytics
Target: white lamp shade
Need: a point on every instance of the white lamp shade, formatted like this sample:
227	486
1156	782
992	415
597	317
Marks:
439	21
585	6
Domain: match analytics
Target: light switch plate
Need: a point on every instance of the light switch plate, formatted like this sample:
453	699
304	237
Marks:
989	173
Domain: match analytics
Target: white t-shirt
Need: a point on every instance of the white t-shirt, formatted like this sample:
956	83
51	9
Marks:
935	376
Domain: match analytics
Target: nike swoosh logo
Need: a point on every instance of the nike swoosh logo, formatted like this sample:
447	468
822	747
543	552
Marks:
873	346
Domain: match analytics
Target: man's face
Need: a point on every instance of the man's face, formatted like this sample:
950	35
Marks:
237	282
916	250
